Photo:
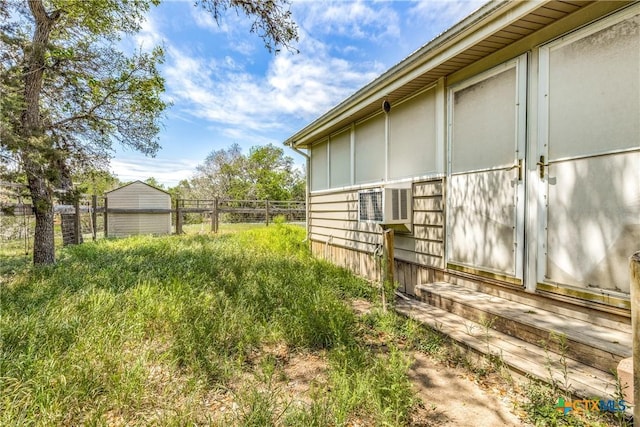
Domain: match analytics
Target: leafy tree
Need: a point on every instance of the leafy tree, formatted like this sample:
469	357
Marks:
96	181
270	174
271	19
154	182
219	175
264	173
67	92
180	191
71	94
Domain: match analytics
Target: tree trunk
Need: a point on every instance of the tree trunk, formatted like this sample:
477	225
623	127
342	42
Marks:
43	239
43	246
34	141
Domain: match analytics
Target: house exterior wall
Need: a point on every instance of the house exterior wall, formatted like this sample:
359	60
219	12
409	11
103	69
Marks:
134	196
333	220
578	248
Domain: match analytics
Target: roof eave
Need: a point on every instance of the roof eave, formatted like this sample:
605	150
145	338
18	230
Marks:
378	88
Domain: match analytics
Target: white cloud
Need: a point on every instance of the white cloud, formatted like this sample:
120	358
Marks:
243	47
301	86
355	19
443	12
167	171
149	36
235	25
205	20
308	85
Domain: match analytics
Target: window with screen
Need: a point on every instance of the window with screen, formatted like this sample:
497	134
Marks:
319	167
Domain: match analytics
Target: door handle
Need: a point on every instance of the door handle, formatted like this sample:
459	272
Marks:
519	167
541	165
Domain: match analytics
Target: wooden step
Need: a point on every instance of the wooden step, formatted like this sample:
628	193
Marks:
594	345
519	356
608	317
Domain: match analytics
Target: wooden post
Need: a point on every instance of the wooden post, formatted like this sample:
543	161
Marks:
77	225
634	270
266	210
389	255
106	217
215	214
94	217
178	218
388	262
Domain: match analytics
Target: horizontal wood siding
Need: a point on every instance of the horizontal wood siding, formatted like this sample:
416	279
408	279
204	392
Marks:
410	275
361	263
333	218
339	237
425	245
123	225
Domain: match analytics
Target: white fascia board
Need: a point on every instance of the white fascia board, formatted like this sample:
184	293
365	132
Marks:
487	20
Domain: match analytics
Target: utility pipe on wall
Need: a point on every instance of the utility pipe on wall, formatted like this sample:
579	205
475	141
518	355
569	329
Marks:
306	185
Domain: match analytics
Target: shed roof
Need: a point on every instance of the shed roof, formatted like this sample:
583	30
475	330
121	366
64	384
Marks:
137	182
489	29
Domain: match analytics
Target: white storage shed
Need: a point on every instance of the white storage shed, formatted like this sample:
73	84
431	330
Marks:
137	208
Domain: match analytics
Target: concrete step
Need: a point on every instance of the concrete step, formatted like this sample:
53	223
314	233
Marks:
594	345
519	356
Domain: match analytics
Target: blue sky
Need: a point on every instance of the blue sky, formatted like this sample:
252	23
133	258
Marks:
227	88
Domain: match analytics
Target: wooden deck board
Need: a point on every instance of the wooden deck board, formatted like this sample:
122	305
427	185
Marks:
611	340
520	356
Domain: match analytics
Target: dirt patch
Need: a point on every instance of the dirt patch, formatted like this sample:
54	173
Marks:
451	398
451	395
361	306
304	372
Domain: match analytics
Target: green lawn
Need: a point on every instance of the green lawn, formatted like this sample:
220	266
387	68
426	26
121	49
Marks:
223	227
198	329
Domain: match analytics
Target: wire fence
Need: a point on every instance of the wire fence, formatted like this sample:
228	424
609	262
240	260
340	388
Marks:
86	219
218	211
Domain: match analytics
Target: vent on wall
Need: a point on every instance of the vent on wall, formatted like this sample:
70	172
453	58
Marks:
385	206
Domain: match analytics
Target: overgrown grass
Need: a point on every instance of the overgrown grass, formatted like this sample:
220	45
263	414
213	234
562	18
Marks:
164	330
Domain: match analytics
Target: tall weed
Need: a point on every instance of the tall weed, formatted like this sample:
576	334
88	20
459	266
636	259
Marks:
370	385
142	330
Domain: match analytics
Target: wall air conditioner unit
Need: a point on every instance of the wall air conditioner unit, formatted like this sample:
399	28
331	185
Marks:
389	207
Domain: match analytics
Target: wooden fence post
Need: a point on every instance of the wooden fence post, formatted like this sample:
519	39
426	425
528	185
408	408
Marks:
106	217
178	218
77	225
94	217
216	214
266	210
634	270
213	217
